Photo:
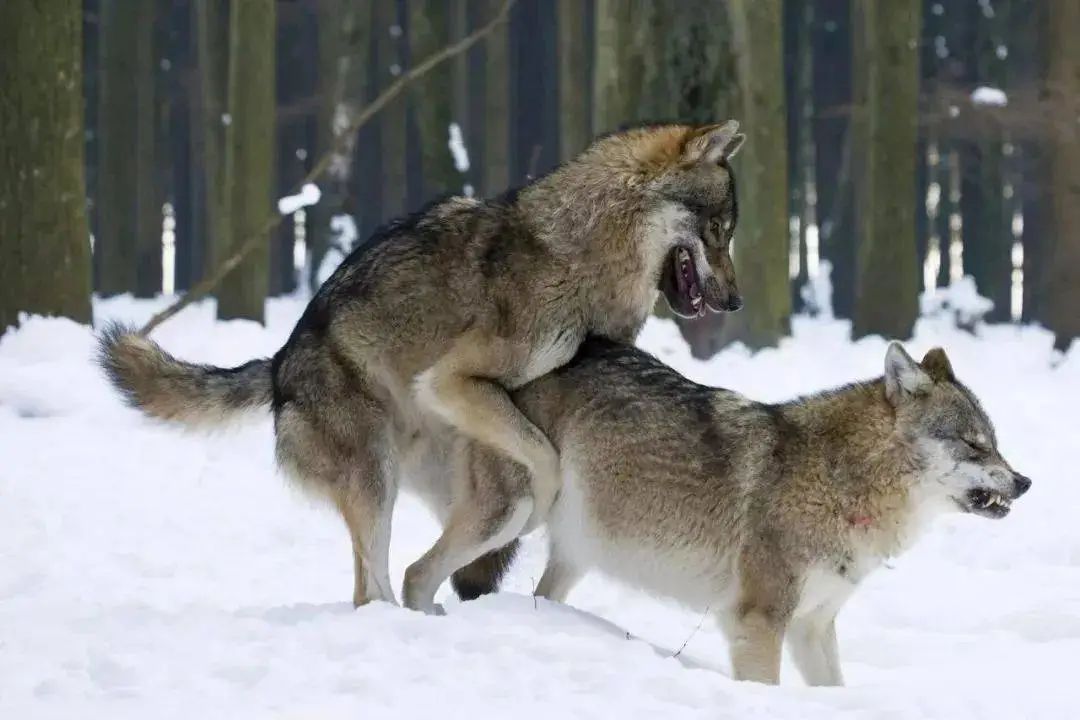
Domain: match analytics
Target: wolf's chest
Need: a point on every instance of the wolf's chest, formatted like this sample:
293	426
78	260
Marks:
552	351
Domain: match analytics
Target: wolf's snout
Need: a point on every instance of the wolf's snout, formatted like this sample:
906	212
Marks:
1021	483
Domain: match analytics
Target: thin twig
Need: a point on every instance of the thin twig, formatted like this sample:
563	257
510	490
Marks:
204	287
691	636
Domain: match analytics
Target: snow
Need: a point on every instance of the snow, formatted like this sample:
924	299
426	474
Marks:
344	235
309	195
816	294
146	572
458	149
994	97
960	299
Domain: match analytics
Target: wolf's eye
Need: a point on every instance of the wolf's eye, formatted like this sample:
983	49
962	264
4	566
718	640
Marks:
716	233
976	449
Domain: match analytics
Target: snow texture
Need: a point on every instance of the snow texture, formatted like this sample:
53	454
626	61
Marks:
342	240
458	149
816	294
151	573
991	96
960	300
308	195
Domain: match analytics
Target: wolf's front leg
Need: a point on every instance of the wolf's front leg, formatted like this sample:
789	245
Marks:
755	635
812	639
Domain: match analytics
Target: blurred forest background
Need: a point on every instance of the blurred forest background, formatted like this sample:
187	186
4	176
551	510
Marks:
903	144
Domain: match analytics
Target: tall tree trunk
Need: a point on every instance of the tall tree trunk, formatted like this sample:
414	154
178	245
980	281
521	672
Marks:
336	27
465	90
832	138
534	89
128	204
44	237
1028	48
496	178
212	39
432	99
346	77
181	88
1061	294
388	33
986	219
292	51
249	154
761	240
623	46
887	283
573	81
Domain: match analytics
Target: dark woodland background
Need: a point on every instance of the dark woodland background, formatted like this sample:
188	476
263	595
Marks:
166	130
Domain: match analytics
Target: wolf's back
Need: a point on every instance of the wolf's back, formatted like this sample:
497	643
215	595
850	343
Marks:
187	393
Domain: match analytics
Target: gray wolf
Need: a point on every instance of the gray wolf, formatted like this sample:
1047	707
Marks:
766	515
418	335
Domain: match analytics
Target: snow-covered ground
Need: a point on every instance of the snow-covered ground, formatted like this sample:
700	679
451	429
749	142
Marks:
148	573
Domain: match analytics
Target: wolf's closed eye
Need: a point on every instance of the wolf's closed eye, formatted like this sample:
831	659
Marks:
977	450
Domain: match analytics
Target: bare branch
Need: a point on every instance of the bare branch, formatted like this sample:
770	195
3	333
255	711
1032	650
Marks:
203	288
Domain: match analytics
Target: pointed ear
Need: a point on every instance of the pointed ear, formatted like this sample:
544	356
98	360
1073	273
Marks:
903	376
937	366
713	143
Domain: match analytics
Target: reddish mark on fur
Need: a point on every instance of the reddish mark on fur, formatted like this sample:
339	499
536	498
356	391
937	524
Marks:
862	521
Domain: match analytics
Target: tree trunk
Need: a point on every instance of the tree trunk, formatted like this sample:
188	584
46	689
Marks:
128	206
466	89
621	71
392	118
212	35
1028	48
887	282
1061	294
832	138
761	240
496	178
336	26
986	218
573	87
44	238
249	154
432	100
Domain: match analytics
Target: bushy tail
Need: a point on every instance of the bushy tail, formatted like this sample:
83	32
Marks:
164	387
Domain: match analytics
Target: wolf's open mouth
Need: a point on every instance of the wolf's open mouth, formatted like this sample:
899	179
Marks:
681	284
986	503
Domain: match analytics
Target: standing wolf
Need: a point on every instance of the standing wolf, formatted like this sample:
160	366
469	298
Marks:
767	515
428	324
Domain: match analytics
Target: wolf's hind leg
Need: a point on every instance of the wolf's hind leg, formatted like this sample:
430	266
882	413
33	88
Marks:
472	531
812	640
355	471
368	520
492	505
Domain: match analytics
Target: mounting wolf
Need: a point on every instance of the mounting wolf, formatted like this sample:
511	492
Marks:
426	326
768	516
